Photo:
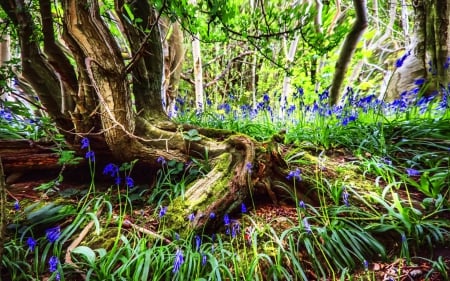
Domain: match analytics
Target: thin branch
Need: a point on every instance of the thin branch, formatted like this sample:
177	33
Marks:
227	68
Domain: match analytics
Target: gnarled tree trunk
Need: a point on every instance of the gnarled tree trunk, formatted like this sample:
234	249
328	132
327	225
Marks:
100	86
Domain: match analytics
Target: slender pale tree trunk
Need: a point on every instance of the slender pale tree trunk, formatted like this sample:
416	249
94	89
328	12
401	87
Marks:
287	78
198	74
4	57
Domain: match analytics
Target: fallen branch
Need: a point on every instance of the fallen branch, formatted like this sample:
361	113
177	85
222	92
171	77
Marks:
76	242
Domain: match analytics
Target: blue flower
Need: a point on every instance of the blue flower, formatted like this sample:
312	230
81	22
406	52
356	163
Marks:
16	205
307	226
345	196
31	243
420	81
111	169
243	208
249	167
90	155
204	259
401	60
179	260
161	160
162	212
294	175
129	181
191	217
53	263
412	172
52	234
235	229
226	220
302	205
403	236
84	143
198	242
212	215
117	180
366	265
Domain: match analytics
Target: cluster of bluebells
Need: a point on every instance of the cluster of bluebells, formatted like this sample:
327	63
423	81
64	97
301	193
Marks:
52	235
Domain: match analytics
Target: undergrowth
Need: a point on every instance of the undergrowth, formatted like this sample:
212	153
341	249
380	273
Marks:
401	147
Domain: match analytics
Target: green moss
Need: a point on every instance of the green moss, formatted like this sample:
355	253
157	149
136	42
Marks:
200	195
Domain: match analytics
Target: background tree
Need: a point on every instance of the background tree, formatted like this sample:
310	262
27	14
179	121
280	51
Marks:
426	57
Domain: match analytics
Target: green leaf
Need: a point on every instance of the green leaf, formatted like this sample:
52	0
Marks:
86	252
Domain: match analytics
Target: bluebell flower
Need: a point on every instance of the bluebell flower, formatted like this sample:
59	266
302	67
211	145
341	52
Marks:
307	226
401	60
249	167
387	161
345	196
84	143
198	242
420	81
177	236
447	63
57	276
204	259
324	95
53	263
212	215
412	172
302	205
52	234
296	175
16	205
31	243
111	170
226	220
179	260
266	98
243	208
191	217
226	107
366	265
117	180
235	229
90	155
129	182
403	237
161	160
162	211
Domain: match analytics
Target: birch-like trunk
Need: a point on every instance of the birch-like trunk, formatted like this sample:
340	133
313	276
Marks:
198	74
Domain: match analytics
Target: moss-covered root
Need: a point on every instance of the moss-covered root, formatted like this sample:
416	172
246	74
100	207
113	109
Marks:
220	192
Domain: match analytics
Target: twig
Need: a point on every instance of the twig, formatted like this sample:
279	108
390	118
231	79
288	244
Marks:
146	231
76	242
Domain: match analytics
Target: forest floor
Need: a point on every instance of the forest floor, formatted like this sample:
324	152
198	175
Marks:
265	212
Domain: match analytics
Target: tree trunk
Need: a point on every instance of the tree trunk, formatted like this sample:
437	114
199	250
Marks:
107	83
428	52
348	48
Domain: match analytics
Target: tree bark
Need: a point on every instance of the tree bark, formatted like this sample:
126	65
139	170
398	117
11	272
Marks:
104	112
428	52
348	48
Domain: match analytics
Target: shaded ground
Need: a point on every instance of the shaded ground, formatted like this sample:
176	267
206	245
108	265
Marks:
278	216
